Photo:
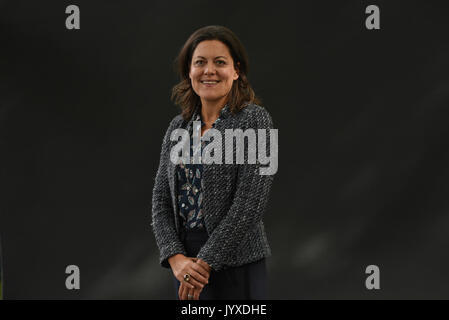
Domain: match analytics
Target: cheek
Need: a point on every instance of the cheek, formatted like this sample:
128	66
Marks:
230	78
194	74
231	74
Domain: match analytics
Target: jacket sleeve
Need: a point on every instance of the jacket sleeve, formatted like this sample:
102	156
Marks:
247	209
163	222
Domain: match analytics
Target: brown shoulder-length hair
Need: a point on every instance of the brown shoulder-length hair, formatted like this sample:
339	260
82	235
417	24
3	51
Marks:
241	93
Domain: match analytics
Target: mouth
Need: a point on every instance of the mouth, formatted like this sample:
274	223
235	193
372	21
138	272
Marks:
210	82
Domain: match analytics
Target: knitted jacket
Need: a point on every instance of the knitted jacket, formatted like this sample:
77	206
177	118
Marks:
235	198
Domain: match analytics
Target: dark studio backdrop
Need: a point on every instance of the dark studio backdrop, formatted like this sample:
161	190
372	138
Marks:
363	143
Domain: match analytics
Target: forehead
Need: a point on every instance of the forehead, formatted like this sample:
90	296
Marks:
211	49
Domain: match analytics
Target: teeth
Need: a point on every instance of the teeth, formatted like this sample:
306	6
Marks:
210	82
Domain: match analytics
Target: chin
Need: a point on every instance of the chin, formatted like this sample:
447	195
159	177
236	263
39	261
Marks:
211	97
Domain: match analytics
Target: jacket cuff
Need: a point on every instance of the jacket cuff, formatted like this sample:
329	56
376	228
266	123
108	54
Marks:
169	251
213	263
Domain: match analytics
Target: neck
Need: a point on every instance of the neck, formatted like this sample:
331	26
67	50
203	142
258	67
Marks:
210	110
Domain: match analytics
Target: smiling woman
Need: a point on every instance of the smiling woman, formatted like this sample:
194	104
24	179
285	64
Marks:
213	53
207	218
212	72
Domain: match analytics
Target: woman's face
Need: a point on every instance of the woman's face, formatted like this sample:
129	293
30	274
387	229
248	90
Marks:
212	70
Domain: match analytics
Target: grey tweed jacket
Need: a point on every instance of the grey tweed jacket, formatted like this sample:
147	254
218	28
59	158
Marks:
235	198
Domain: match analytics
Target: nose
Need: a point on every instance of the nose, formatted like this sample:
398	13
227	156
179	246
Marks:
210	68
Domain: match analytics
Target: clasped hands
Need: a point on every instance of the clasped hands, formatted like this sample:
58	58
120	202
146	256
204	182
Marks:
197	271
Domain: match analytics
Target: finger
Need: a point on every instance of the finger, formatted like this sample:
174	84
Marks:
184	293
187	284
180	290
197	285
198	277
204	264
191	294
200	270
196	294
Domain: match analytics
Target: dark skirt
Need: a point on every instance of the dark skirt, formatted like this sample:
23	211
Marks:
247	282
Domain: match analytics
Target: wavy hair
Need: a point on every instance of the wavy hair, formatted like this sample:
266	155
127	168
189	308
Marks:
241	93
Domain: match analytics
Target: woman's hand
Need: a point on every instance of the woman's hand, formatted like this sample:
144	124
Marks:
187	293
198	272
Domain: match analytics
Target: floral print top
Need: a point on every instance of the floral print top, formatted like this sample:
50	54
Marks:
190	186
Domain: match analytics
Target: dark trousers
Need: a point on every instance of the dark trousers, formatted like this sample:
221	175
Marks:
247	282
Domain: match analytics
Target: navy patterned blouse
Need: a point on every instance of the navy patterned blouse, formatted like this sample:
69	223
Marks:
190	186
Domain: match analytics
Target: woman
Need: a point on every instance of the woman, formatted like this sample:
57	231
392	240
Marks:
207	218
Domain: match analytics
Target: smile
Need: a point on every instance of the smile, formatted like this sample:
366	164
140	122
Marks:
210	82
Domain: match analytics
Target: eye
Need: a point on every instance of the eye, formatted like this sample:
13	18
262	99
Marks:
198	62
221	62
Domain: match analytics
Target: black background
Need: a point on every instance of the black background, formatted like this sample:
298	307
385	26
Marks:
363	143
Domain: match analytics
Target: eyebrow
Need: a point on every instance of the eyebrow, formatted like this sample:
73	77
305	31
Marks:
215	57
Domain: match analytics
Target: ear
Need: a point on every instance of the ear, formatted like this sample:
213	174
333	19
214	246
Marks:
237	71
